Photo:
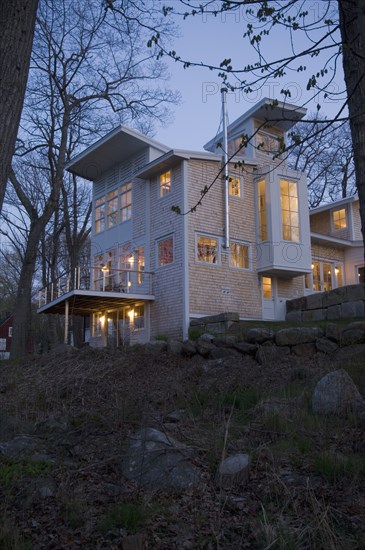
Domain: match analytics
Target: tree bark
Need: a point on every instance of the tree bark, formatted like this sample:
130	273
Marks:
17	22
352	25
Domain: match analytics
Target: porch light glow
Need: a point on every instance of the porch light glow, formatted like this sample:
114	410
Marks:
131	260
104	268
336	270
312	266
129	283
102	320
131	315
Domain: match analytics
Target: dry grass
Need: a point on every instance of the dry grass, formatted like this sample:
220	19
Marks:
307	480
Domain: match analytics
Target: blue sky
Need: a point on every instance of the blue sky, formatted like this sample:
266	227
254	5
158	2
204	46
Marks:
211	39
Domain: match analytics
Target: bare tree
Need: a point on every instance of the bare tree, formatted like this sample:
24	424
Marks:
87	64
17	20
326	156
331	35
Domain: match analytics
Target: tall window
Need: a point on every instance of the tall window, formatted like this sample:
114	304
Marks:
289	210
339	219
268	143
234	186
125	202
140	264
165	183
99	214
112	208
139	317
207	250
165	251
262	210
239	255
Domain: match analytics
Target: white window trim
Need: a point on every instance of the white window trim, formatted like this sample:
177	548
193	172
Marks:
209	236
333	264
344	207
239	177
249	268
164	238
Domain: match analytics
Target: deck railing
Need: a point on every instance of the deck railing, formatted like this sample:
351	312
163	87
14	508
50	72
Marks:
126	281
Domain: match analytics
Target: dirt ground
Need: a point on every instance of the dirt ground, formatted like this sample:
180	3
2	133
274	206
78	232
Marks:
71	414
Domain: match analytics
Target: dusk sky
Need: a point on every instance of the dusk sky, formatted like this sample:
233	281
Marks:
211	39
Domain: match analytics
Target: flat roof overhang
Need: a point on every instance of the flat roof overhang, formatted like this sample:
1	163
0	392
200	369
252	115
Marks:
327	240
85	302
117	146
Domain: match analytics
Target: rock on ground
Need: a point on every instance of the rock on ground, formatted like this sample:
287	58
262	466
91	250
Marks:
337	394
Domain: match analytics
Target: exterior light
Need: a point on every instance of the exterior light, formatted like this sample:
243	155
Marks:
312	266
131	315
337	270
129	283
131	260
104	268
102	320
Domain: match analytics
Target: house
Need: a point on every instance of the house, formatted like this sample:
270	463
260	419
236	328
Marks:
249	245
6	333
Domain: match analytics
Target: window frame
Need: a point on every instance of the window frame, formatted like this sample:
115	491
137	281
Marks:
211	237
291	211
321	277
243	244
112	198
333	221
231	178
128	192
158	243
164	187
139	319
100	207
262	211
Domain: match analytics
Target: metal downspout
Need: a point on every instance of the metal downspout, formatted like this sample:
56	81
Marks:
225	164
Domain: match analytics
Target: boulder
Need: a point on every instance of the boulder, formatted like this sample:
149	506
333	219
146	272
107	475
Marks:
203	347
158	461
297	335
188	349
259	335
352	336
325	345
156	345
245	348
336	394
233	471
333	332
17	447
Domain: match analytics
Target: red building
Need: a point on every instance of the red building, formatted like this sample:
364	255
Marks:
6	333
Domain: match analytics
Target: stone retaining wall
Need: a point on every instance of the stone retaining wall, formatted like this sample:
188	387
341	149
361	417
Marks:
340	303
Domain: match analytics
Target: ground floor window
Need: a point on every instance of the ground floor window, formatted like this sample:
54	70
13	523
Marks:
360	274
325	276
139	317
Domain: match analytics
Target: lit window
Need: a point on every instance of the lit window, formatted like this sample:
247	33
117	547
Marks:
262	210
327	277
112	208
165	251
10	332
339	219
289	210
239	255
234	186
361	275
126	202
267	287
140	264
139	317
99	215
207	250
165	183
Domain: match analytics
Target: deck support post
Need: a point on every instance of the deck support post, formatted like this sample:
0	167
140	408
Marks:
66	320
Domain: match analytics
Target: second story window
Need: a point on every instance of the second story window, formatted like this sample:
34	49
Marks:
99	214
289	210
262	210
234	186
165	183
112	208
165	251
125	202
268	143
339	219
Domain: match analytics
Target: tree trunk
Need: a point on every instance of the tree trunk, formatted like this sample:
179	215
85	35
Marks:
22	311
17	21
352	25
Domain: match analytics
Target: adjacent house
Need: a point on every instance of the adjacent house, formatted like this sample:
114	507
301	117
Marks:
248	246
